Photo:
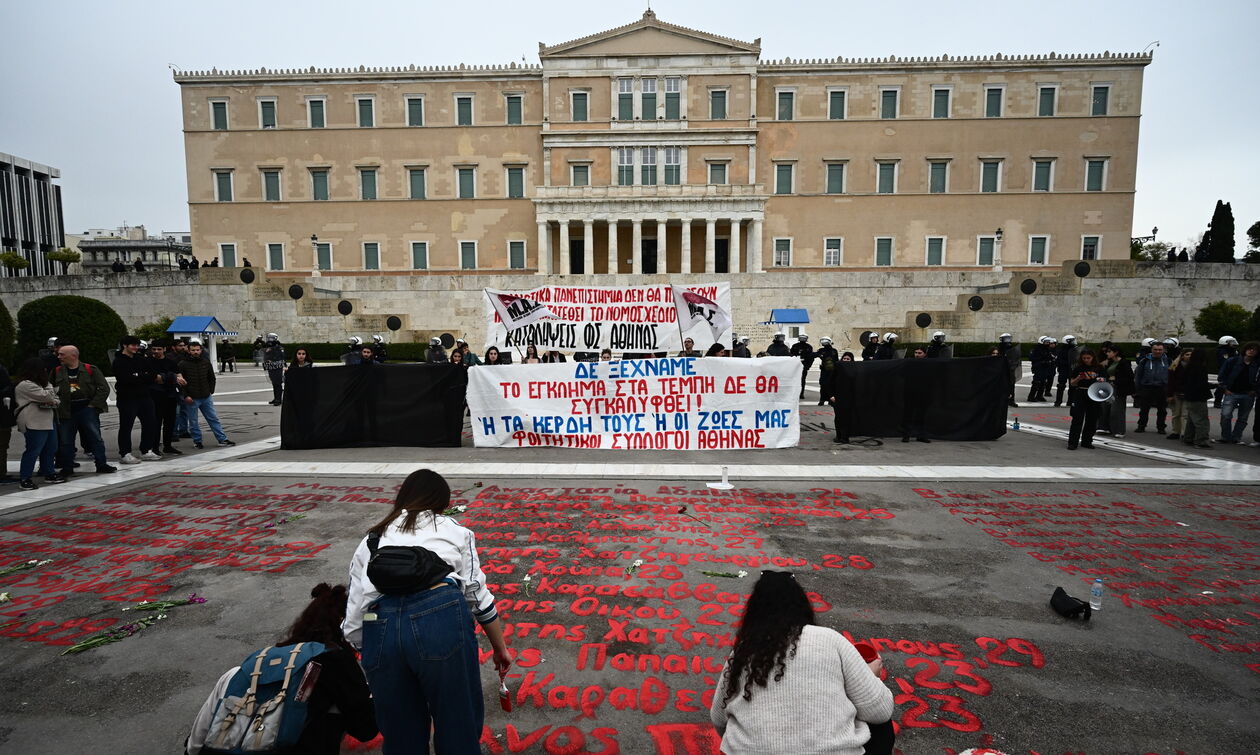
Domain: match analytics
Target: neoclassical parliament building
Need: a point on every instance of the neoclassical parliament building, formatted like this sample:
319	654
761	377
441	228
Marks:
652	148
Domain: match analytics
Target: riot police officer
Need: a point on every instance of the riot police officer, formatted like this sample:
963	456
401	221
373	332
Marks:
378	349
741	348
937	348
435	353
1007	347
274	364
1065	359
778	347
1042	358
805	352
828	358
887	347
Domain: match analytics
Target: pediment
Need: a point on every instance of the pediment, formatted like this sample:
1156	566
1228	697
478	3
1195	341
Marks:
651	37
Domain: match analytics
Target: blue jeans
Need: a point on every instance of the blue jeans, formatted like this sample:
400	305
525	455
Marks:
42	445
84	421
420	657
206	405
1231	403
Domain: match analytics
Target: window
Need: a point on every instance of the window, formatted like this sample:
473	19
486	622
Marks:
717	104
271	185
1089	247
935	250
888	102
1098	102
833	250
371	255
227	255
223	185
1043	175
837	104
468	255
516	255
266	114
515	183
315	112
419	255
219	115
1037	248
625	166
940	102
580	102
717	174
783	252
415	111
783	178
938	177
275	256
417	183
367	183
319	184
463	110
883	251
985	247
515	109
887	178
835	178
990	175
467	182
1046	96
647	166
625	99
787	105
673	98
581	175
1095	175
367	112
323	255
673	166
648	105
993	102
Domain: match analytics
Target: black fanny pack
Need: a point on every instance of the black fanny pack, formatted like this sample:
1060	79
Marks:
1069	607
404	569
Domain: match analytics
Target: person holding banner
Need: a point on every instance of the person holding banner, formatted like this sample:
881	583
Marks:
553	357
689	349
492	356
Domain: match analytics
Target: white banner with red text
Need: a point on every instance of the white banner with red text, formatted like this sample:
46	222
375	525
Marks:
677	403
636	319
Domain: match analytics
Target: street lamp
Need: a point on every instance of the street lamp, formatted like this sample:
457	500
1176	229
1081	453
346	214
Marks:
315	256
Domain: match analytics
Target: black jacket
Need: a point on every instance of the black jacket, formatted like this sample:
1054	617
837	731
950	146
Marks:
1123	380
200	376
133	376
778	349
805	352
870	349
886	351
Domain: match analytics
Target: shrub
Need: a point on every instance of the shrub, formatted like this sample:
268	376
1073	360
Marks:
1221	318
152	331
14	261
7	335
87	323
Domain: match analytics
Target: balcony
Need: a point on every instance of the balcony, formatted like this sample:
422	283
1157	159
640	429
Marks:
682	191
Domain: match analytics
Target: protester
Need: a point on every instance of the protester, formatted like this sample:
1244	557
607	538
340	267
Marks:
689	349
1173	393
791	686
419	648
177	353
741	348
133	374
1084	409
339	704
166	396
827	358
1227	348
273	363
470	357
1196	392
301	359
1119	371
367	356
1151	377
828	388
778	347
435	353
1239	377
914	407
35	410
717	350
82	392
553	357
1065	359
492	356
457	359
1042	359
199	396
605	355
531	355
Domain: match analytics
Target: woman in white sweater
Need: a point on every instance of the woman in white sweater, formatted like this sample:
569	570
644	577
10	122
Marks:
793	687
35	406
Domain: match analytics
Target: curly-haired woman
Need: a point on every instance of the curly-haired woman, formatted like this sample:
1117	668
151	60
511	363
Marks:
792	686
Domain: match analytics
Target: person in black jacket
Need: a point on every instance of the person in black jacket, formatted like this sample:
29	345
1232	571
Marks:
871	347
1011	350
1085	373
273	363
887	347
827	357
166	394
1227	347
778	347
937	348
1119	371
805	352
1065	358
1196	393
133	377
1042	358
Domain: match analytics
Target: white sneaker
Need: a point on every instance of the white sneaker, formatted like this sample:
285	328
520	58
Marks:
129	459
1118	435
150	456
1254	444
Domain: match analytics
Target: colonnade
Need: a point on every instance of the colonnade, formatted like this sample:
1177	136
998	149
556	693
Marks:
739	257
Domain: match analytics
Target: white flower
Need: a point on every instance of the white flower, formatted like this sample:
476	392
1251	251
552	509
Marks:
637	563
4	597
528	578
742	574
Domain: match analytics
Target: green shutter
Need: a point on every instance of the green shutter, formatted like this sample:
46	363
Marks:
317	113
416	178
319	184
366	116
673	175
516	183
835	105
937	178
1037	250
887	178
1041	175
648	175
228	254
888	103
883	252
579	107
787	102
463	111
419	255
783	179
516	255
367	182
625	106
275	256
323	256
1045	105
993	103
625	175
415	111
935	249
271	185
224	181
372	256
219	115
986	251
514	110
835	178
268	110
717	173
717	105
672	106
649	106
581	175
467	183
1094	176
940	103
468	255
989	176
1101	95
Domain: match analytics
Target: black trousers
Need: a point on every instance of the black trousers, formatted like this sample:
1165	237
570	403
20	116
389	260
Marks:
166	408
277	384
1058	393
842	422
1152	396
1084	419
881	741
129	410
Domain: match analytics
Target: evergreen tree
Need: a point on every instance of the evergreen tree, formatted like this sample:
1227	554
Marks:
1221	248
1253	241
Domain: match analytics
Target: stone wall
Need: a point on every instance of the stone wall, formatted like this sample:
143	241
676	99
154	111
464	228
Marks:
1118	299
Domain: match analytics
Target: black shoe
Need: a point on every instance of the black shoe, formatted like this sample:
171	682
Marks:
226	442
840	439
1071	446
28	484
1161	430
66	472
105	469
906	439
1139	429
1226	441
198	445
1087	445
55	479
1058	404
1202	445
1013	405
172	450
1173	436
923	440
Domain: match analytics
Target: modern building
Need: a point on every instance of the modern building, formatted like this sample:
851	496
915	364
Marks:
100	247
653	148
30	214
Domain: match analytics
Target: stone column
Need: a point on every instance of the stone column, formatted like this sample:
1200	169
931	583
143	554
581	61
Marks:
732	250
636	247
686	246
588	247
710	253
613	262
544	249
565	252
754	247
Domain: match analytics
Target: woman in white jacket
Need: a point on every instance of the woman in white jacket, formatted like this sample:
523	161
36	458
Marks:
35	406
419	649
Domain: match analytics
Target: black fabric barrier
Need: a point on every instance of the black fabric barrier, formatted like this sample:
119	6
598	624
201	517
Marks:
945	399
376	405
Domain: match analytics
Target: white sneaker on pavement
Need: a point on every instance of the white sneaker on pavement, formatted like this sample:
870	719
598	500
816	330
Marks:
150	456
129	459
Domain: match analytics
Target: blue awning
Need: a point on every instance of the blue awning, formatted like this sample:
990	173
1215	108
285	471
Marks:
202	325
788	317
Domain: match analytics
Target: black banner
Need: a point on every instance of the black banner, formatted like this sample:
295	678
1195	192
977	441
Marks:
945	399
376	405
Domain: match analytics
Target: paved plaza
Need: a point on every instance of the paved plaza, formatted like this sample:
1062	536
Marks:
944	555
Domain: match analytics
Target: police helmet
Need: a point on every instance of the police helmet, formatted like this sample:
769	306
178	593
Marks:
1148	341
52	341
802	337
144	345
273	337
825	341
355	340
435	341
743	339
1005	337
1069	338
890	337
1227	341
780	336
940	334
377	339
1170	341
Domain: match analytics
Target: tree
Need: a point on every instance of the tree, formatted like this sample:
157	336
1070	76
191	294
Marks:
151	331
87	323
1221	248
65	257
1253	241
1153	251
1253	326
1221	318
7	335
14	261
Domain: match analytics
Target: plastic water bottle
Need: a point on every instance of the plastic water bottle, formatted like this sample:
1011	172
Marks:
1096	595
1015	424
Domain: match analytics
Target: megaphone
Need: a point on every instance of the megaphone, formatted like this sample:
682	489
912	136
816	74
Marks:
1102	392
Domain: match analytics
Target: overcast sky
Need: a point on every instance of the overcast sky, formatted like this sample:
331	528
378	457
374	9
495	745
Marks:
86	86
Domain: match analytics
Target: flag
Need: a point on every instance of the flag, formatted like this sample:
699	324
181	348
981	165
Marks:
694	308
517	310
